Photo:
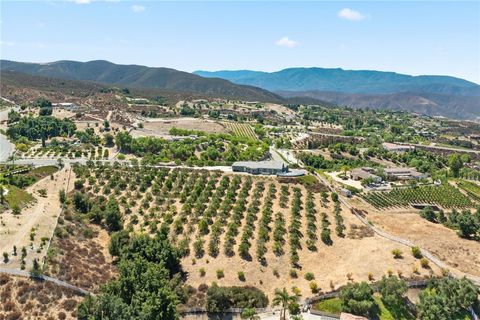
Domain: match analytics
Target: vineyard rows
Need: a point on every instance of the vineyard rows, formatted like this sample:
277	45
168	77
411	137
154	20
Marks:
241	130
472	189
445	195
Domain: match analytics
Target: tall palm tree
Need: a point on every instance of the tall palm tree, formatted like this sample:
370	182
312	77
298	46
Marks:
284	299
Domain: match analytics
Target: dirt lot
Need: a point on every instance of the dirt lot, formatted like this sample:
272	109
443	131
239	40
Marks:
40	216
22	298
444	243
162	126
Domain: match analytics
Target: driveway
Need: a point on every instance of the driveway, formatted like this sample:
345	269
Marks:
6	148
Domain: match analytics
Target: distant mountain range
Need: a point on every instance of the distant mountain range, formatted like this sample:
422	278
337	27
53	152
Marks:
142	77
431	95
347	81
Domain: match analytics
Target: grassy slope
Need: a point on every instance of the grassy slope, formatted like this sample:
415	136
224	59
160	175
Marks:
17	196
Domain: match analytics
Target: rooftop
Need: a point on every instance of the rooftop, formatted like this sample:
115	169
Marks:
260	164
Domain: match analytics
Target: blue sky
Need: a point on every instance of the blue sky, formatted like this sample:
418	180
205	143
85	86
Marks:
412	37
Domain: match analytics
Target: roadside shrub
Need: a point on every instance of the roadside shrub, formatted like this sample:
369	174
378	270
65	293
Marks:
417	253
424	263
309	276
397	253
241	276
314	287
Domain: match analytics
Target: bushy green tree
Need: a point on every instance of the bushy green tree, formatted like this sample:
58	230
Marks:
446	299
455	163
147	285
392	290
357	298
113	217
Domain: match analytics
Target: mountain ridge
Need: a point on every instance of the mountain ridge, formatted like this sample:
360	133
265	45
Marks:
350	81
102	71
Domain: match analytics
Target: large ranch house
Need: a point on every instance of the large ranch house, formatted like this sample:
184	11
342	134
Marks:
260	167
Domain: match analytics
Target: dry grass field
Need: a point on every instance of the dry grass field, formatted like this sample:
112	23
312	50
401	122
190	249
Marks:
34	226
79	255
443	242
22	298
404	222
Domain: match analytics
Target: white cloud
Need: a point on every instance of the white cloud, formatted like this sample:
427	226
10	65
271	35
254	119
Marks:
286	42
137	8
349	14
83	1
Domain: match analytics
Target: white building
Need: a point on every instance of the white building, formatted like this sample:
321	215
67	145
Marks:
393	147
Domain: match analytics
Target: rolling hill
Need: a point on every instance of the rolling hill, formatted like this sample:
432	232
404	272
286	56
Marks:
432	104
136	76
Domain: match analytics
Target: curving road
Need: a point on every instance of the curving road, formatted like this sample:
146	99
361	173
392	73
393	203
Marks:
6	148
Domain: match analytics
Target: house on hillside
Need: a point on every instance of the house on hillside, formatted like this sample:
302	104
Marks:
65	105
359	174
393	147
260	167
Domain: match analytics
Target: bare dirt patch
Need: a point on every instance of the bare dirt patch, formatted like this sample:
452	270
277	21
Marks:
444	243
162	126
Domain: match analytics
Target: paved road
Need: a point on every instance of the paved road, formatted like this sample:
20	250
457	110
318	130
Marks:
6	148
40	162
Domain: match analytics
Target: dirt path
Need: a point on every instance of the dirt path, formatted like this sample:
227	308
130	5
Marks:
41	218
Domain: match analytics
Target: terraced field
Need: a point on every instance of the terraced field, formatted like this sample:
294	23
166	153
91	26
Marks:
241	130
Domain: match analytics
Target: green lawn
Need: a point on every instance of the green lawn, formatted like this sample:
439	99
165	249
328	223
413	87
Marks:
330	305
42	172
17	196
393	313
